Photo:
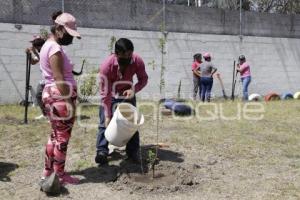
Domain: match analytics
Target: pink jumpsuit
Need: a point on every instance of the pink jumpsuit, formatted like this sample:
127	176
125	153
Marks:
58	111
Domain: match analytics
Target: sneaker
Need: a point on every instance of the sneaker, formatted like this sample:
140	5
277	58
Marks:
40	117
67	179
50	184
47	173
101	158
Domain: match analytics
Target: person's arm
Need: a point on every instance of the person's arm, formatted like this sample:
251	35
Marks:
238	67
195	69
214	70
197	72
56	63
142	79
35	58
105	91
217	75
141	75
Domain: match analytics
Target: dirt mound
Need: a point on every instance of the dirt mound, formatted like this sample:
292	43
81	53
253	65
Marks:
169	176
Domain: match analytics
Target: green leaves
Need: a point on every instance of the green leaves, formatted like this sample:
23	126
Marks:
111	44
44	33
162	45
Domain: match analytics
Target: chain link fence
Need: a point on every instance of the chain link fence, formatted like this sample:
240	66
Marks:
150	15
28	11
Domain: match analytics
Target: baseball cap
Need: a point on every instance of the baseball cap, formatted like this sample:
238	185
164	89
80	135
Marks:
35	37
242	57
37	41
69	22
207	55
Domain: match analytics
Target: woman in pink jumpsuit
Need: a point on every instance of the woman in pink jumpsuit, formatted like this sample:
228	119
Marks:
59	95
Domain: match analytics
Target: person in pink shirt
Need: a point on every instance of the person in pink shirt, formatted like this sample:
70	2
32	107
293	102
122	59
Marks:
196	74
59	95
244	69
116	83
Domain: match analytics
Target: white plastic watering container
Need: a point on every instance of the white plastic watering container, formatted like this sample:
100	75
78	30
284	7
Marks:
124	123
254	97
297	95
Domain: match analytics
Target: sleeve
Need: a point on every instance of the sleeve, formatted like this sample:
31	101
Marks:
194	66
105	89
54	48
141	75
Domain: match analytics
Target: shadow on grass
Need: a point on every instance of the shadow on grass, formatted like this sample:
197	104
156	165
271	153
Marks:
5	169
103	174
63	192
111	172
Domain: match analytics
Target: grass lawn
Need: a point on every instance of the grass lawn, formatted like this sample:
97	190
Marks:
238	159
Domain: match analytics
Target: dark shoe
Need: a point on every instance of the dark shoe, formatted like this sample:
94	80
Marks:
50	184
101	158
134	157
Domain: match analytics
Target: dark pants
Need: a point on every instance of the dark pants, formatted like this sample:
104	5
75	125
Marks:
38	96
133	144
206	86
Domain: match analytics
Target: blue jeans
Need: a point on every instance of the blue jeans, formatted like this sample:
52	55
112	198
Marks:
133	144
206	86
246	81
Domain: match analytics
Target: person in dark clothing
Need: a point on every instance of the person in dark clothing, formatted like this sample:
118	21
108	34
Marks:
116	83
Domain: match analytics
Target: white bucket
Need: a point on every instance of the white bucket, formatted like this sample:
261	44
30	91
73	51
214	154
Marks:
254	97
297	95
124	123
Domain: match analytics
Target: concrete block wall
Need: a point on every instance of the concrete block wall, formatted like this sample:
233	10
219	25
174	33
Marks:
275	62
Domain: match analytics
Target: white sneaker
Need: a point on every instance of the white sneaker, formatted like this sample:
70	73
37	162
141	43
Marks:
40	117
112	148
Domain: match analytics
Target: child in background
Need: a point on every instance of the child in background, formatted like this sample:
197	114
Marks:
34	50
244	68
196	74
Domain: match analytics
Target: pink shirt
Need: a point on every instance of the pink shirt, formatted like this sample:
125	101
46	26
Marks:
111	79
245	70
195	65
50	48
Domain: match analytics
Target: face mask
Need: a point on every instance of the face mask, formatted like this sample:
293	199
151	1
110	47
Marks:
124	61
67	39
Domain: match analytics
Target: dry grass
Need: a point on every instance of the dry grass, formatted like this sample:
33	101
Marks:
254	157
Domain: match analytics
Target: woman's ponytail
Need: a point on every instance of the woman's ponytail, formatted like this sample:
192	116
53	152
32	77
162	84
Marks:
55	15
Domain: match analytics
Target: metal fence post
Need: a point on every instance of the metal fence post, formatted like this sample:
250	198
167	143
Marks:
63	5
241	34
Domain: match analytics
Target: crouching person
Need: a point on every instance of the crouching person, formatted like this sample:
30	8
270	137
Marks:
116	83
